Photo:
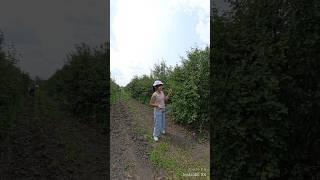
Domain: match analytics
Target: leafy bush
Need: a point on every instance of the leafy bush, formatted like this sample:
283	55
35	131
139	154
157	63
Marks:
140	88
265	90
190	84
82	85
13	85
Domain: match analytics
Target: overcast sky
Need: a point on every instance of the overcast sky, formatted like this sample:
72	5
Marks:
43	31
143	32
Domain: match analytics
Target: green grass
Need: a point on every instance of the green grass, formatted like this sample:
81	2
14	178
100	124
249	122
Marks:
159	156
175	161
132	108
73	151
140	130
126	167
10	112
158	153
119	95
143	132
124	95
46	109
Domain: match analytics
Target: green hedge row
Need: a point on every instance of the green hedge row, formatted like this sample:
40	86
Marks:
140	88
190	84
265	90
13	86
82	85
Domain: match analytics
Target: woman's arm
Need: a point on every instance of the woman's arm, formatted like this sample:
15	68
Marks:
152	102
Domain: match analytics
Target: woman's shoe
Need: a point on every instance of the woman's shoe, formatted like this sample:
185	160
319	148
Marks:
155	138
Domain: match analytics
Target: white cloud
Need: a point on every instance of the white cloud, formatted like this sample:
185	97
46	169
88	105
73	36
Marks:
136	27
203	30
139	26
202	10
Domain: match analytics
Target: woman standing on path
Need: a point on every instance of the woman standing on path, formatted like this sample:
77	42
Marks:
158	102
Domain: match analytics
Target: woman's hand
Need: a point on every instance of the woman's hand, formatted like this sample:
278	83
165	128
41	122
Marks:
157	105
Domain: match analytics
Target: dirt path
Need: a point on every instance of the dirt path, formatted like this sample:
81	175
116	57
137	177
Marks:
131	143
44	143
127	161
178	135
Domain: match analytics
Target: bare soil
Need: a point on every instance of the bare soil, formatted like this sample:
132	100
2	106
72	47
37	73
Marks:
129	150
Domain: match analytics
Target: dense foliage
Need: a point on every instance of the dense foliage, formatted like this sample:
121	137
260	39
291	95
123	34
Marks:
82	85
190	85
13	85
114	91
265	90
140	88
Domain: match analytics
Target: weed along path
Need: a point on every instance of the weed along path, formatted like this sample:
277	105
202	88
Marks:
134	154
46	143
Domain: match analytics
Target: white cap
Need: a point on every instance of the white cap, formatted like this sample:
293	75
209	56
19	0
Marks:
157	82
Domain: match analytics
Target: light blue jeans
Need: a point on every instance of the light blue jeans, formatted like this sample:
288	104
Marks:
159	122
